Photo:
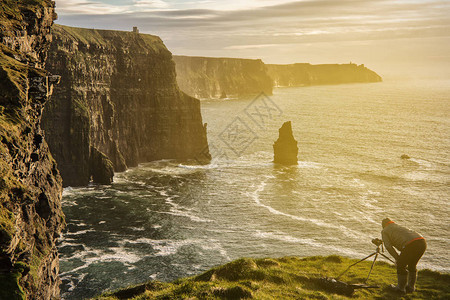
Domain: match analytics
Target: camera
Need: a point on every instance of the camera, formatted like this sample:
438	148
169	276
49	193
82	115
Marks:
377	242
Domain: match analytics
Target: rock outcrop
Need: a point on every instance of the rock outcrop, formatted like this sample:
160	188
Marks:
285	147
211	77
118	96
30	186
304	74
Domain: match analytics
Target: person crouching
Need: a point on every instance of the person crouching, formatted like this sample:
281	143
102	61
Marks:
411	246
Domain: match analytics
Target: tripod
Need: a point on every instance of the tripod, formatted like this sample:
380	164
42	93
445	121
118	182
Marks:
379	251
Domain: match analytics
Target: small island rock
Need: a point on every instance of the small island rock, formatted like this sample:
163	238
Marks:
285	148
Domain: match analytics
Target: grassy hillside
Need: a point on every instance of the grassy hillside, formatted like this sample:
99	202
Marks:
287	278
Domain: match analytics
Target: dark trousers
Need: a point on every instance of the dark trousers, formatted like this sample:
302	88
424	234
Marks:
410	255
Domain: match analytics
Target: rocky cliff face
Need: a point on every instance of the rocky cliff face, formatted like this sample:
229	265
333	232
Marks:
118	104
307	74
209	77
30	186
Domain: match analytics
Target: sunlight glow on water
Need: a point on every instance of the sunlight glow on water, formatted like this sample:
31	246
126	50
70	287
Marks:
165	220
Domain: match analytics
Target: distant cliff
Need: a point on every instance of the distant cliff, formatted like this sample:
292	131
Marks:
307	74
210	77
30	186
118	104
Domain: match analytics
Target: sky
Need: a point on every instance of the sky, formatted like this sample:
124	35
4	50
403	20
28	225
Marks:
393	37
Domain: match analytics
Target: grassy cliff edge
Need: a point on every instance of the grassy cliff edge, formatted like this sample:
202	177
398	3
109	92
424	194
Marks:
287	278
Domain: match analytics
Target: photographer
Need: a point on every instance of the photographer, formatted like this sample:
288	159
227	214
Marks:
411	246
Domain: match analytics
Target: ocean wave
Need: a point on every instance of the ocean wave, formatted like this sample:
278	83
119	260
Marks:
79	232
345	230
164	247
179	213
305	241
198	167
93	256
423	163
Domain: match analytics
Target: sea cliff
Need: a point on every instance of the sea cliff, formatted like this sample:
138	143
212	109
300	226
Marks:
30	185
214	78
304	74
118	104
211	77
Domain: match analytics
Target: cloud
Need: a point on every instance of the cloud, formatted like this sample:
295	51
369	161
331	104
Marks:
269	28
241	47
97	7
150	4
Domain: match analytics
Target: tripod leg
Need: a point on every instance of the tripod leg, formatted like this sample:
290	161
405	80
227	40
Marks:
372	266
387	258
356	263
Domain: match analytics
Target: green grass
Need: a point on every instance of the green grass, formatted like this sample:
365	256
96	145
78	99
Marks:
104	38
286	278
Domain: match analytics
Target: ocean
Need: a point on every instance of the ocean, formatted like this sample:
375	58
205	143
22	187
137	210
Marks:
165	219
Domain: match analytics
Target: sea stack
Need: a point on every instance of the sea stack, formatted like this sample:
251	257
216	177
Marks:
285	148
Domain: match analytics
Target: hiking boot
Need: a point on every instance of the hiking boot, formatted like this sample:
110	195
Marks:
400	287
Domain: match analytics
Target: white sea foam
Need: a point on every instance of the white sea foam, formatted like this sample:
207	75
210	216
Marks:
180	211
78	232
163	193
165	247
305	241
199	167
216	246
92	255
345	230
367	201
67	191
423	163
417	176
137	228
309	165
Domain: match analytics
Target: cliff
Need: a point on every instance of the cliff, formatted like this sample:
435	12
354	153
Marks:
118	104
210	77
304	74
30	186
289	278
